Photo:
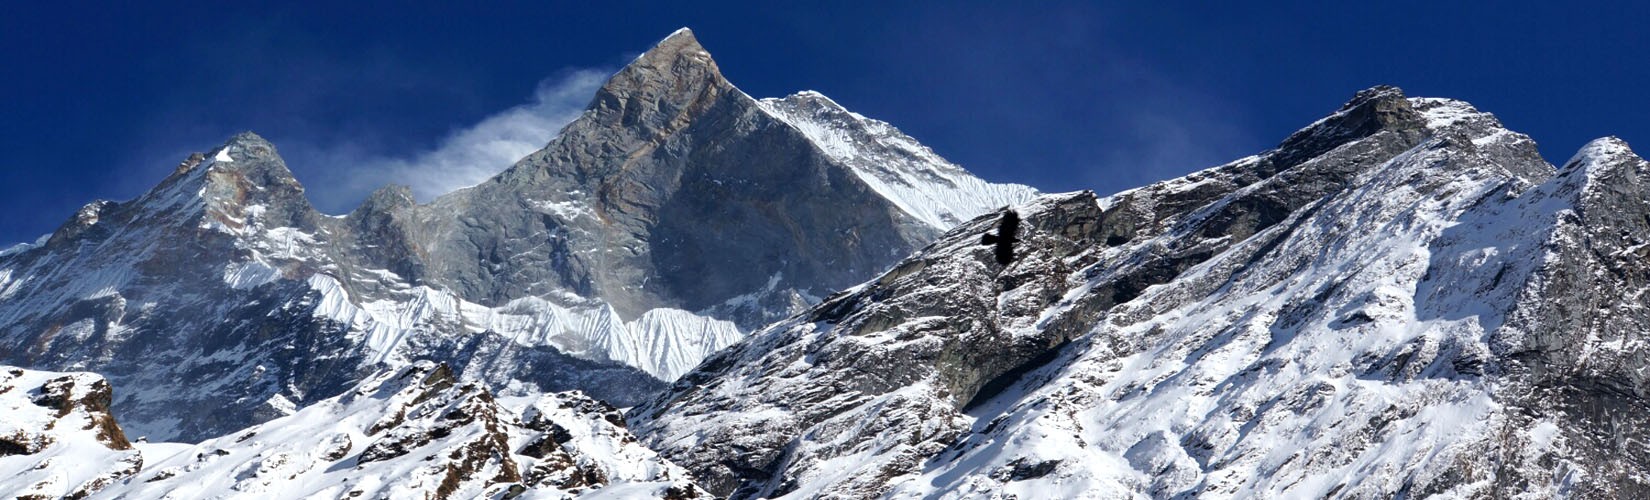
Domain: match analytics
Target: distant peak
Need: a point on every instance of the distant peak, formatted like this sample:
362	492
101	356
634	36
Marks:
1610	143
248	138
814	97
244	171
808	102
680	33
680	44
1378	108
1376	94
387	199
1602	151
666	80
1369	112
244	145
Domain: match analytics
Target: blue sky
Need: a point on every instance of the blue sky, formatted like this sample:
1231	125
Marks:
102	102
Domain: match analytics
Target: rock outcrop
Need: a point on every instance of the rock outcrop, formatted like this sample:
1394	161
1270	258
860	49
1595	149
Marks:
57	437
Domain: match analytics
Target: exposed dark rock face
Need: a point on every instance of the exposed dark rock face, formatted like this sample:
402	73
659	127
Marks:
656	193
947	308
1573	347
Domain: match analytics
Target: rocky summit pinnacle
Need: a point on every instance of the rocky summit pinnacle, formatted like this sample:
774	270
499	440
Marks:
678	51
669	83
673	217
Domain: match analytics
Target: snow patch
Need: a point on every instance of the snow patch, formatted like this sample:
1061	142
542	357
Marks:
249	275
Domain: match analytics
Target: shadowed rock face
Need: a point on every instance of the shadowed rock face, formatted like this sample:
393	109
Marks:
1401	299
673	216
678	191
1575	343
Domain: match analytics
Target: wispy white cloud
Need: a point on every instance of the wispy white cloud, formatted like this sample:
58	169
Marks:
465	157
472	155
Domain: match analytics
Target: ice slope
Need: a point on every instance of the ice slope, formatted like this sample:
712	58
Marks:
663	342
918	181
1364	312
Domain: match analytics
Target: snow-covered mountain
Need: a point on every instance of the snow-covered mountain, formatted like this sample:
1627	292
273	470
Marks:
1400	300
416	432
673	217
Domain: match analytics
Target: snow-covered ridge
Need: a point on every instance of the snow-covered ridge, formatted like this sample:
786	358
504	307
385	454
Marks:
415	432
411	432
663	342
24	247
918	181
1358	323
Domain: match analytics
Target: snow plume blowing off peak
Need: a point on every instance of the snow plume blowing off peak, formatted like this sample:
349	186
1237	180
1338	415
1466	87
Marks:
469	155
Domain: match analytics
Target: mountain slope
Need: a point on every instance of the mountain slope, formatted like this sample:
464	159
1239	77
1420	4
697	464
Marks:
1401	299
675	215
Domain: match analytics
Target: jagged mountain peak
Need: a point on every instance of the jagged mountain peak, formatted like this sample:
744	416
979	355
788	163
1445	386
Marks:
922	184
255	157
246	163
675	76
680	43
1603	150
1369	112
244	151
390	197
813	99
249	143
1379	93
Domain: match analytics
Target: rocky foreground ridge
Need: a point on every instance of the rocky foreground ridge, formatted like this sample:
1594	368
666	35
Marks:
417	432
1402	299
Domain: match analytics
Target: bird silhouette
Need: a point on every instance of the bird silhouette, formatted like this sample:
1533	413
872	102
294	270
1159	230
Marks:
1007	230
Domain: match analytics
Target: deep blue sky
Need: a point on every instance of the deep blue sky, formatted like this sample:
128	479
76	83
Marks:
102	102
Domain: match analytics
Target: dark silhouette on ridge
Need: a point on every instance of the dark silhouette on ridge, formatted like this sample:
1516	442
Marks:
1005	238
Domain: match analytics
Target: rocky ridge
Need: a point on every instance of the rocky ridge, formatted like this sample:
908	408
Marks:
1401	299
417	431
